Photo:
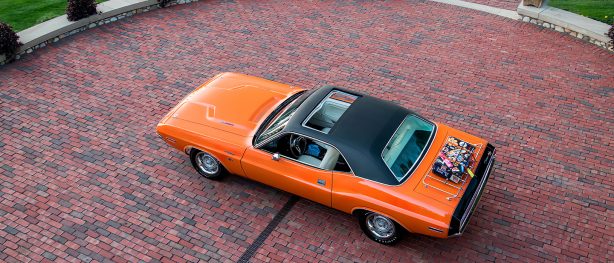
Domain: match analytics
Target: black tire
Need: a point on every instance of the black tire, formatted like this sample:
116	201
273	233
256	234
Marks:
203	163
395	235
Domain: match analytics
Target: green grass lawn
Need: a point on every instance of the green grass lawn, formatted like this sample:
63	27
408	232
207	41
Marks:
601	10
21	14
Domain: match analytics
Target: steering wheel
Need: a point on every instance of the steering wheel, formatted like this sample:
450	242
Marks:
298	144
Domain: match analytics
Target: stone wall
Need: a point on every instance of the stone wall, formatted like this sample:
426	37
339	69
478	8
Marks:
606	45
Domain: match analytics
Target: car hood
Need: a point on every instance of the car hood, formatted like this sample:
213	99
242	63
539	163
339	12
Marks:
233	102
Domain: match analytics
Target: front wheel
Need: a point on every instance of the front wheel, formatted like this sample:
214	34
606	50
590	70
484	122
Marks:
206	164
380	228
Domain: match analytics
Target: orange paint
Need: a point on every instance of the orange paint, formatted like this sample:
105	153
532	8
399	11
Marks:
222	116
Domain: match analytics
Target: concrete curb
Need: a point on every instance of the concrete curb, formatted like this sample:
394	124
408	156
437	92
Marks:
563	21
484	8
53	30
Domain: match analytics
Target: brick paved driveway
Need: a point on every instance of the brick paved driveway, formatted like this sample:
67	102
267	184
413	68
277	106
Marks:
84	177
505	4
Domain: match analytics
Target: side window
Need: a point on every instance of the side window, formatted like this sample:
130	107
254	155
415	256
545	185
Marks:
307	151
342	165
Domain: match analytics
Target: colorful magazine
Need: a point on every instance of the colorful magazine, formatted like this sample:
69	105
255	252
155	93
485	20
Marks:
454	160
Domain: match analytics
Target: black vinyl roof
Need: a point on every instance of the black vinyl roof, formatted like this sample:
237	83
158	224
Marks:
360	134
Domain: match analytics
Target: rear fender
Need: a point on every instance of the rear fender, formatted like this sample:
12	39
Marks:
357	210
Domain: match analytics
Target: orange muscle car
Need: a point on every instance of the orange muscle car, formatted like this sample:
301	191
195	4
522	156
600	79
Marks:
393	169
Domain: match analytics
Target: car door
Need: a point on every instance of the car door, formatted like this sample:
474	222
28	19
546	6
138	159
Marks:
288	174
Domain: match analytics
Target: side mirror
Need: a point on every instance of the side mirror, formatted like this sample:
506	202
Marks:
275	157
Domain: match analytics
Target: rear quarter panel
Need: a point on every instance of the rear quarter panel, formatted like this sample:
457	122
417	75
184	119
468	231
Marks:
351	193
411	204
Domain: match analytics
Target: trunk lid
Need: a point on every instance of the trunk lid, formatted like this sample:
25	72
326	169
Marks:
437	187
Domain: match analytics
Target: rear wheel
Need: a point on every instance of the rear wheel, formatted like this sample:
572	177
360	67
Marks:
380	228
206	164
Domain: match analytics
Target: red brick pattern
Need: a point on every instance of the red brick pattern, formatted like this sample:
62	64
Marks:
505	4
83	176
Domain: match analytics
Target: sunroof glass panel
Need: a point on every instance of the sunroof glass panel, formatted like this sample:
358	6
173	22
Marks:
324	117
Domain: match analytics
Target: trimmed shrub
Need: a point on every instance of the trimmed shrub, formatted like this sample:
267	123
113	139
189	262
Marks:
79	9
9	41
611	34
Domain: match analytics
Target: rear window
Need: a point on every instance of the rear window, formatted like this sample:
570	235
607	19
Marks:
407	145
324	117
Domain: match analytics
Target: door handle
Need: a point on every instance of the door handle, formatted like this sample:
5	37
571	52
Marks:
321	182
275	157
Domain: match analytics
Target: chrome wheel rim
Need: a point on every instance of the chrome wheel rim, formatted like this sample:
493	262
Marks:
207	163
380	226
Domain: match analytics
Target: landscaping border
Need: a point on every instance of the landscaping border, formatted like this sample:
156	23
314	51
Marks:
578	26
546	16
57	28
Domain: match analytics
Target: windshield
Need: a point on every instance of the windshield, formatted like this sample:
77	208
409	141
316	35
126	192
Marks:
282	116
406	145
